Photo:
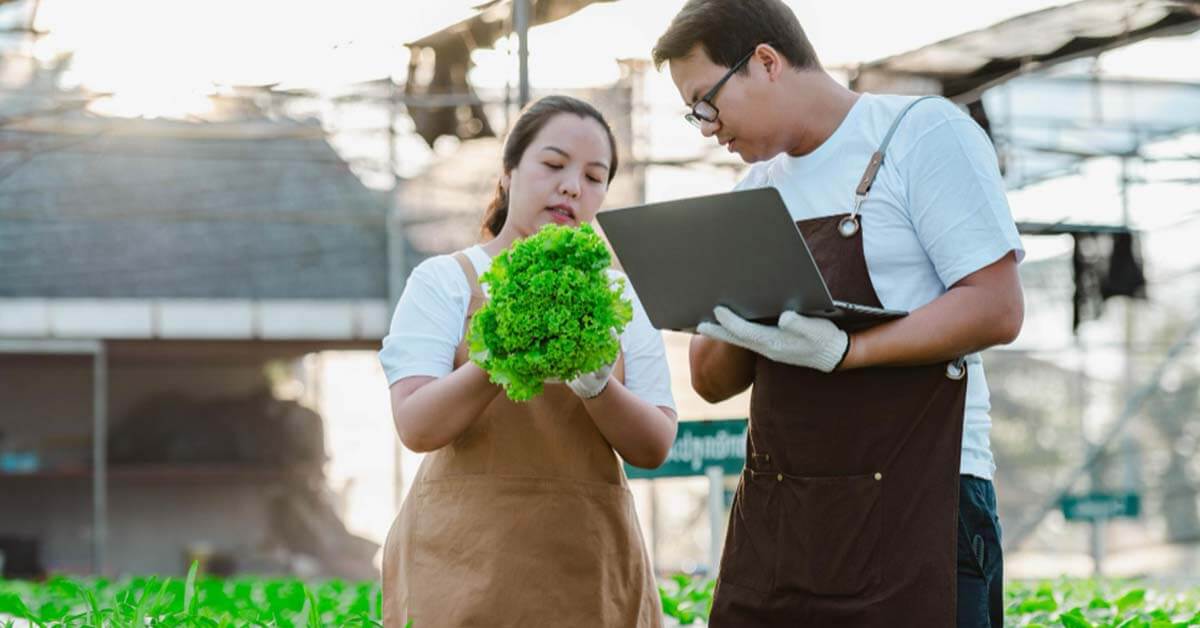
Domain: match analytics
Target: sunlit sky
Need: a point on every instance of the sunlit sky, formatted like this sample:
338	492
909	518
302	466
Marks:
157	55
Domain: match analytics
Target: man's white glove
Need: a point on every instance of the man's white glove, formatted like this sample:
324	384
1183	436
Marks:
799	340
590	385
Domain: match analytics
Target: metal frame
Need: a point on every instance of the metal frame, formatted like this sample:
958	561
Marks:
98	350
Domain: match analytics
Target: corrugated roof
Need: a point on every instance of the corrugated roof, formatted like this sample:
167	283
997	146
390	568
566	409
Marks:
102	207
963	66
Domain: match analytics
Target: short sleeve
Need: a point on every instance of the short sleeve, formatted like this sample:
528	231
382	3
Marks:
956	199
427	325
647	374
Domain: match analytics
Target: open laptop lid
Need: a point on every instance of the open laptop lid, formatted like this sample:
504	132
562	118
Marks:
739	249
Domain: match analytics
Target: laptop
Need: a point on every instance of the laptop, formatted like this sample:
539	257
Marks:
738	249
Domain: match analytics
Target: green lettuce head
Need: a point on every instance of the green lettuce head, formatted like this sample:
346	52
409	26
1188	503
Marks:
551	313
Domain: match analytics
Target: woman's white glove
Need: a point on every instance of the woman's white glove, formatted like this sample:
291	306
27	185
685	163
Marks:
799	340
590	385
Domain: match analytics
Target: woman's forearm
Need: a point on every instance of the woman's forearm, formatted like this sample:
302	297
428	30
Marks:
640	432
432	413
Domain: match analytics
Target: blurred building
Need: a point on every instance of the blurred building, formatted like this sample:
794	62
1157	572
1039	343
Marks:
160	280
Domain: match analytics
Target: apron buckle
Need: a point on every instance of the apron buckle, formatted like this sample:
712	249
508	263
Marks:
848	226
956	369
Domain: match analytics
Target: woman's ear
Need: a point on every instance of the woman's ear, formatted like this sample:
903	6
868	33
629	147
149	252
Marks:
505	181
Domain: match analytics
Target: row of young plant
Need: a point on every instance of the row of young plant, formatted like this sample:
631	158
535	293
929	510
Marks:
1068	603
210	602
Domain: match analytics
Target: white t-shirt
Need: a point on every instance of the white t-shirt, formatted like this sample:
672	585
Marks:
427	328
936	213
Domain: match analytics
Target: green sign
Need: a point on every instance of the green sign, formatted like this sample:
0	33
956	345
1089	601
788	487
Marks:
698	446
1099	506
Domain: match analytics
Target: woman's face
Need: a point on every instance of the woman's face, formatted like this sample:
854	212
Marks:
562	177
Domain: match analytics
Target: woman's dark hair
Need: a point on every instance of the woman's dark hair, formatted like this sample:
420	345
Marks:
528	125
729	29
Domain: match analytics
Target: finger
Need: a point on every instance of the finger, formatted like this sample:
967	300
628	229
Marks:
799	324
717	332
788	319
737	325
802	325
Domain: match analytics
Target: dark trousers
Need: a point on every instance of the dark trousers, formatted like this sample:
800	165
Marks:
980	562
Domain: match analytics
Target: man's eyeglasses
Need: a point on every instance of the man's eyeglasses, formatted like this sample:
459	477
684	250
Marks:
704	110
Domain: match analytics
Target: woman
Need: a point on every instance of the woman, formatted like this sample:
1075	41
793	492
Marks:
520	514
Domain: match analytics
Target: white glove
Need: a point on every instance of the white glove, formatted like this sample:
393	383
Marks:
590	385
799	340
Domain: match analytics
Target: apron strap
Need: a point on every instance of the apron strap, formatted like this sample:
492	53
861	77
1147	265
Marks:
848	226
477	298
868	178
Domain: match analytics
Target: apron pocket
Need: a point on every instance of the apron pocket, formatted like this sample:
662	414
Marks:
830	529
748	558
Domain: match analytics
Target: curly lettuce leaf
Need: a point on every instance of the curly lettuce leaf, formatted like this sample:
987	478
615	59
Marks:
552	311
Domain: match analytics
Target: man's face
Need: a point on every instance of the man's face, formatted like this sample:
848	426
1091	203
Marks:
741	103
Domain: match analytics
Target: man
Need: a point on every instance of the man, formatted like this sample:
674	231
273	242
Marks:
869	448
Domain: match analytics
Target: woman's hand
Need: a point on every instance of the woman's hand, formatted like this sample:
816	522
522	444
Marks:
589	385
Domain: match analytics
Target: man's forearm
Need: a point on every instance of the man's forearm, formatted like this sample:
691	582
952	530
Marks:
972	316
719	370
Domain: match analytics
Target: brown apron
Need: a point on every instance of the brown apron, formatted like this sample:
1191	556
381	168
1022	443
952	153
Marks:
845	513
525	520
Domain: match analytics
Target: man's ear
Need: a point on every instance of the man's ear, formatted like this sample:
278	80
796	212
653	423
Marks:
773	63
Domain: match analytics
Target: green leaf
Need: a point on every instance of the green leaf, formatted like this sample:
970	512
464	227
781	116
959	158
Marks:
96	616
314	610
1075	619
1035	604
189	589
11	604
1132	599
139	614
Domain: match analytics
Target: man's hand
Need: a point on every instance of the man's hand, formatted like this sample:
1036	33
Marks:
799	340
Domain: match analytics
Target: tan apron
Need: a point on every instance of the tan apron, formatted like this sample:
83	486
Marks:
525	520
846	512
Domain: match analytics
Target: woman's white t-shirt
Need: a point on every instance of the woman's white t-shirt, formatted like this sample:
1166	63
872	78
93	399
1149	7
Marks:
427	328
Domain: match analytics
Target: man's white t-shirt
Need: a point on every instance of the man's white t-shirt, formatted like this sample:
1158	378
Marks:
427	328
936	213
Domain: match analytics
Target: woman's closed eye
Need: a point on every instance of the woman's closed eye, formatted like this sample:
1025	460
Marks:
553	166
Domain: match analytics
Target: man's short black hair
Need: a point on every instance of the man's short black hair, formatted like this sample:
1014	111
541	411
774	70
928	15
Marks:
729	29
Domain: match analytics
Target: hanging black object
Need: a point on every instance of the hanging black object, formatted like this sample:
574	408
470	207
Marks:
461	115
1105	265
1125	276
